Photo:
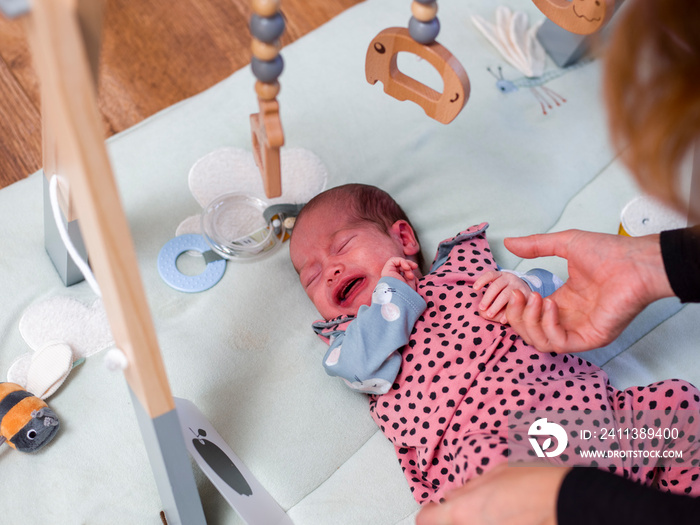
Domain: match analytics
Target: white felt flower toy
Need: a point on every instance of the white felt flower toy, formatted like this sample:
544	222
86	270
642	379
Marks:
61	331
233	170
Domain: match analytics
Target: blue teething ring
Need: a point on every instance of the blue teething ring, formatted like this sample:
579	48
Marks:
167	264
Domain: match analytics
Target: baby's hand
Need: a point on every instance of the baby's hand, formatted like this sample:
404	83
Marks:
402	269
502	284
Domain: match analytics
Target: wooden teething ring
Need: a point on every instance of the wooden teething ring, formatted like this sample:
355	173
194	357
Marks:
380	64
419	39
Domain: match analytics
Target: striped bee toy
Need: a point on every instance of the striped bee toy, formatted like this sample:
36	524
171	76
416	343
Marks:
26	422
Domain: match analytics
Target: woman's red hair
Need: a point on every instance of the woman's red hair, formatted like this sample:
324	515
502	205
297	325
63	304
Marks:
652	91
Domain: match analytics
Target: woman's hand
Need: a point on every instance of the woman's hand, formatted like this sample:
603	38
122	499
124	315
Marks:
611	279
506	495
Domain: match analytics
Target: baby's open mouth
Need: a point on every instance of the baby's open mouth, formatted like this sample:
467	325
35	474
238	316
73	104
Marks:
347	290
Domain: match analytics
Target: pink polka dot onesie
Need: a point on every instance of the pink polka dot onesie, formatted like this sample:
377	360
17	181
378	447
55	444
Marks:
457	394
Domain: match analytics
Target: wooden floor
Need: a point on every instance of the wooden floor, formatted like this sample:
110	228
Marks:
154	54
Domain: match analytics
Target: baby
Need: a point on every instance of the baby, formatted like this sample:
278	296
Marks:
443	372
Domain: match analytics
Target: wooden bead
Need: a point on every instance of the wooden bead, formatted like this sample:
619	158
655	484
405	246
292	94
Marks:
424	12
424	32
267	91
266	7
264	50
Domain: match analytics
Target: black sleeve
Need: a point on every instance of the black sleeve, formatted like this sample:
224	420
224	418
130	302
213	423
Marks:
680	250
590	495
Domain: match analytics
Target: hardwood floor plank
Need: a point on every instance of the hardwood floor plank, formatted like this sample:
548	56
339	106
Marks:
154	54
165	56
14	50
20	129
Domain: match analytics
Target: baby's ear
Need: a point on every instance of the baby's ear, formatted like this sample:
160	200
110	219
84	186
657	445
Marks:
403	232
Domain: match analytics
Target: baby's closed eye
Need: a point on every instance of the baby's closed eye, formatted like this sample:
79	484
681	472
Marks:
309	277
343	245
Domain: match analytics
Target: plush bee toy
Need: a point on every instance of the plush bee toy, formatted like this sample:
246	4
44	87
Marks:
26	422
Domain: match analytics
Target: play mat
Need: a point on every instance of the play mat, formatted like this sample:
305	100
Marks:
243	351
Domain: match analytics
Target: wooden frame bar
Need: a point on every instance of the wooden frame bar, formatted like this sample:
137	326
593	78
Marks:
62	34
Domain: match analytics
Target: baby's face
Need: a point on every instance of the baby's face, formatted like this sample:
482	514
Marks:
339	261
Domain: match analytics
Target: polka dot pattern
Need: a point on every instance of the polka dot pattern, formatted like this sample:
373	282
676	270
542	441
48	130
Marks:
461	375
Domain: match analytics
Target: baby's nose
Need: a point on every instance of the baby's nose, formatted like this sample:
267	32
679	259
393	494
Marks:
333	273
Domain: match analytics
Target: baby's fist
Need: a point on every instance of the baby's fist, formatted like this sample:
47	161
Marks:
402	269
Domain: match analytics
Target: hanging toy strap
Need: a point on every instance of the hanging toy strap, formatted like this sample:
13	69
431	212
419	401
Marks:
82	265
419	39
266	27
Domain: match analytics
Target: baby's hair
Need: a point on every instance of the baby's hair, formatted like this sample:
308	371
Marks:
364	203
